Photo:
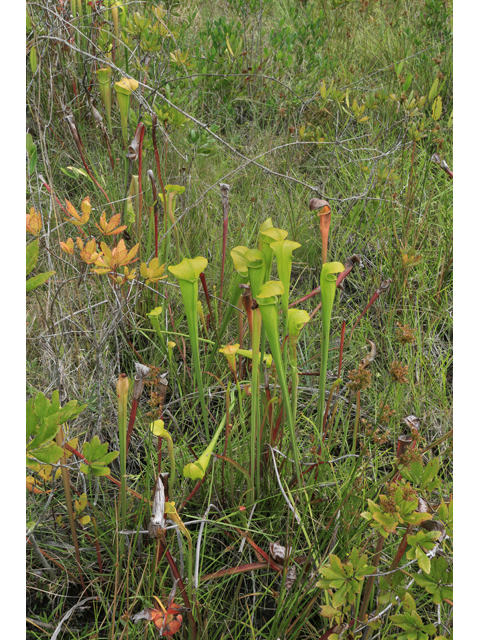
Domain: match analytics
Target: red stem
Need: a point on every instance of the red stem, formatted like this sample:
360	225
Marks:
140	148
193	492
183	591
155	208
159	453
78	142
317	308
224	251
342	342
157	156
111	478
131	421
307	297
205	291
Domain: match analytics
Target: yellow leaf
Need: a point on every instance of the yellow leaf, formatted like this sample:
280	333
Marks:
433	90
323	89
86	206
74	444
82	503
437	108
230	48
85	520
34	222
45	472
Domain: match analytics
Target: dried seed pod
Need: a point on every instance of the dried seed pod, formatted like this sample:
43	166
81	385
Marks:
316	203
370	357
279	553
412	421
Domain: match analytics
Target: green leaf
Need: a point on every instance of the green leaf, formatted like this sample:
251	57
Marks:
36	281
339	595
32	255
423	560
71	172
94	450
55	403
99	470
430	471
414	473
96	454
417	518
336	565
409	602
32	162
408	82
50	454
388	522
33	59
329	612
29	143
32	420
433	90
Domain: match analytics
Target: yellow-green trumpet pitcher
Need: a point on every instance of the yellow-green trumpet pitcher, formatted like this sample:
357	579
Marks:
187	273
124	90
196	470
328	288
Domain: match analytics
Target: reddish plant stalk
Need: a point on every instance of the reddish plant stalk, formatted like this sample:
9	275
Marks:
382	289
342	342
244	568
193	491
316	310
157	156
78	142
277	426
183	592
155	208
227	433
141	126
349	263
159	453
48	557
207	296
328	633
58	201
307	297
68	500
131	420
184	352
370	582
111	478
224	188
97	548
240	342
247	304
